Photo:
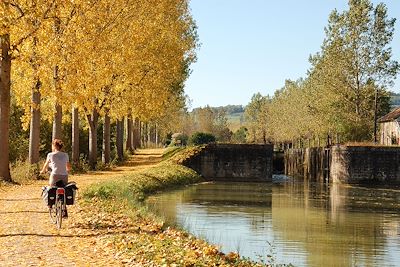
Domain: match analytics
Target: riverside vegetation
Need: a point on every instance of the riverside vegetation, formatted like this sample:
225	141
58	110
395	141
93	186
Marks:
153	243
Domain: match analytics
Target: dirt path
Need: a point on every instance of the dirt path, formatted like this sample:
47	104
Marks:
28	238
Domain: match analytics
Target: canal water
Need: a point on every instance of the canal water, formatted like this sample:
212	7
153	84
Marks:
288	221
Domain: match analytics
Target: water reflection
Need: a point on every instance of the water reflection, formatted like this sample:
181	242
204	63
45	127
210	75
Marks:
308	224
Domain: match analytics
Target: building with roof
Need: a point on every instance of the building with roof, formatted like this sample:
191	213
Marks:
390	128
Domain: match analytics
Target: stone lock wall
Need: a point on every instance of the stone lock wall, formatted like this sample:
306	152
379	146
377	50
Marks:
365	164
234	162
310	163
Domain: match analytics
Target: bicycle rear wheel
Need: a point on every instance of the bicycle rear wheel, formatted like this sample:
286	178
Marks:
59	213
53	214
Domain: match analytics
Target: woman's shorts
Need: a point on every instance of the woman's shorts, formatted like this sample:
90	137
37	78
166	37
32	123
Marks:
54	178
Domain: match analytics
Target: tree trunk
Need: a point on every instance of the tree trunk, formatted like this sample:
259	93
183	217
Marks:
5	71
142	134
136	134
106	139
120	139
34	131
34	134
376	116
133	137
57	122
75	135
93	123
152	138
148	135
156	134
128	145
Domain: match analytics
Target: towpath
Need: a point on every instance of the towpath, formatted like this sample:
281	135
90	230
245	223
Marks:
28	238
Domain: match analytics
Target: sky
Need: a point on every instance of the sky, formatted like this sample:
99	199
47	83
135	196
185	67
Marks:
250	46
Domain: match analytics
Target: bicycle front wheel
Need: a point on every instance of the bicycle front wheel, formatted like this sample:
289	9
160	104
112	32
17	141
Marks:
59	213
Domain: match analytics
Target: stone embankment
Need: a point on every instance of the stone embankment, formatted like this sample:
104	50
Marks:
233	162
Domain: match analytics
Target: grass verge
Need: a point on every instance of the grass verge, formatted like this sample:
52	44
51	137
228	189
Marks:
171	151
134	187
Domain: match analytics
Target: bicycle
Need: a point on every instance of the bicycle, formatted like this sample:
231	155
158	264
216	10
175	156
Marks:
57	198
59	209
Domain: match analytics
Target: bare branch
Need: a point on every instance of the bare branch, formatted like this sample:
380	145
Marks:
111	22
15	46
19	9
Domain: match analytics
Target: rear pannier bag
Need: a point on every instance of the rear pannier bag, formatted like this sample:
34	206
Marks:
49	195
70	192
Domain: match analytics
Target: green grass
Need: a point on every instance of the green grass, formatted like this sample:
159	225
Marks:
186	153
171	151
136	186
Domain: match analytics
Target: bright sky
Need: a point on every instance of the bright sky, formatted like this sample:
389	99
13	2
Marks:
255	45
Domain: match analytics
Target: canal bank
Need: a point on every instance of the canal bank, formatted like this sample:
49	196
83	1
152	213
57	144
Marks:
154	242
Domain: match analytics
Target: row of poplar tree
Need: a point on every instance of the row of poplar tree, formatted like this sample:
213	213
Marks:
114	61
345	90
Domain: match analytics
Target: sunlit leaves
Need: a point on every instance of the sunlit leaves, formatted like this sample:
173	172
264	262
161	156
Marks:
129	55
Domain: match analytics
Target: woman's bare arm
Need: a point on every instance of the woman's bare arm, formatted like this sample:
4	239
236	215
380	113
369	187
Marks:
45	166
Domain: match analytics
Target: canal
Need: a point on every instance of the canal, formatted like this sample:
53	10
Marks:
290	221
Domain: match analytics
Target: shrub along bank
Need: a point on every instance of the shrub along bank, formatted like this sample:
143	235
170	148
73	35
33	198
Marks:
153	243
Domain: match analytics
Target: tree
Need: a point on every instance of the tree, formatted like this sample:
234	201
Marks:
200	138
18	22
256	114
132	59
355	65
240	136
346	88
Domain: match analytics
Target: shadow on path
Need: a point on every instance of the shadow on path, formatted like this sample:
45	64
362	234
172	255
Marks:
66	236
23	211
19	199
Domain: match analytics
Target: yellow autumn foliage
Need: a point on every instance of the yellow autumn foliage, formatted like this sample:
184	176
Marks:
129	55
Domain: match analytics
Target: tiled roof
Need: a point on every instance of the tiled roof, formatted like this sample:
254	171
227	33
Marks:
394	114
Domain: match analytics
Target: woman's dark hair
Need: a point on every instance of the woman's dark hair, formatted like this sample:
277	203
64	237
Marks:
58	144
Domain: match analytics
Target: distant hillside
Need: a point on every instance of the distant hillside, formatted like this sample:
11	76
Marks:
234	115
229	109
235	121
395	100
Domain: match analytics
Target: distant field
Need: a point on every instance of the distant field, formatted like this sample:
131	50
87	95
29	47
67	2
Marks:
235	121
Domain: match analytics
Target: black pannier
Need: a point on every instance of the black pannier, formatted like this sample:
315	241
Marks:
49	195
70	192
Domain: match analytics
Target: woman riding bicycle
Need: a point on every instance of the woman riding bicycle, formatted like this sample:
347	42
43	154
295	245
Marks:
58	161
